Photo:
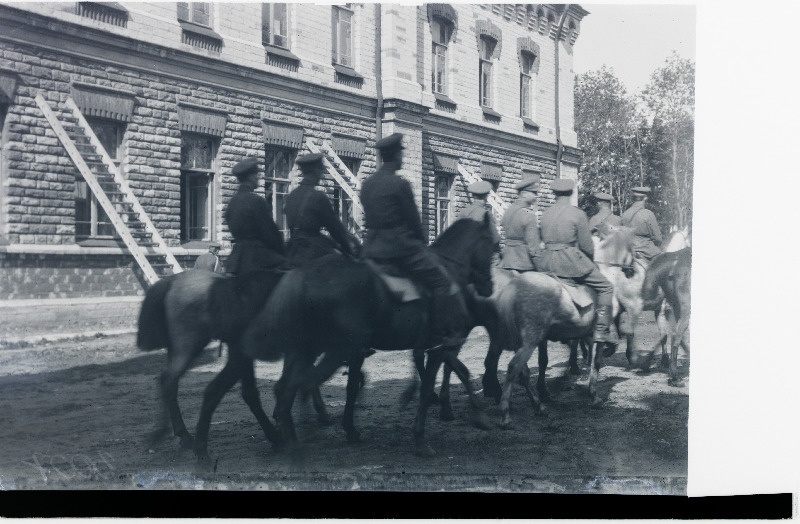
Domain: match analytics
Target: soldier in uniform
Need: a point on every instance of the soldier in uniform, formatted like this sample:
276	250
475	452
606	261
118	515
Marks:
258	243
479	207
604	214
307	211
569	251
395	236
521	227
210	260
647	237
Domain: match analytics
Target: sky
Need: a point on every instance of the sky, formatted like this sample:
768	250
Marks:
634	39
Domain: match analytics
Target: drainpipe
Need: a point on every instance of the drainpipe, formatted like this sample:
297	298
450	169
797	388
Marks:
560	151
378	80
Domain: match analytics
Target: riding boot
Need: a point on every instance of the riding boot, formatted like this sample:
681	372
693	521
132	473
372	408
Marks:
602	331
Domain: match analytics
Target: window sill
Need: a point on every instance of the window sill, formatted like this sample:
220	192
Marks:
491	113
445	100
191	27
196	244
347	71
281	52
100	242
530	123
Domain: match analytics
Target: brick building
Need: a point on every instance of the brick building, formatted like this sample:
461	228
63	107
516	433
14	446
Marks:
144	107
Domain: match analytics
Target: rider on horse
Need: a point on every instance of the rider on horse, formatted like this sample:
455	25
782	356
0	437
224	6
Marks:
395	236
604	215
258	243
479	207
644	225
569	251
307	211
521	227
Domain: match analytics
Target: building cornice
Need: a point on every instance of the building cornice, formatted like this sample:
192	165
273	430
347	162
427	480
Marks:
26	28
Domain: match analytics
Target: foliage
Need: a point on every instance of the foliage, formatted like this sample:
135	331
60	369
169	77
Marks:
645	139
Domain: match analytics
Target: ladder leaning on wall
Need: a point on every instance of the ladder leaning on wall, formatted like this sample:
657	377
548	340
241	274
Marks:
112	191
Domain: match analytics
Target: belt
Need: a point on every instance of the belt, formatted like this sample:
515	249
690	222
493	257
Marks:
557	246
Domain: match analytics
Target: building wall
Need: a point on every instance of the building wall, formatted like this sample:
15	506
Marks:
48	48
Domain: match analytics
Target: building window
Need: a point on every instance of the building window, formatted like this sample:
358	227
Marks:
342	36
443	185
275	25
442	30
279	162
526	89
91	221
198	160
195	12
486	95
343	204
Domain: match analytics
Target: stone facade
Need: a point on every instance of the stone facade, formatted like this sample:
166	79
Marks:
143	52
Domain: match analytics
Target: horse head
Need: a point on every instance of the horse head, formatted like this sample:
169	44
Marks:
469	246
679	238
615	247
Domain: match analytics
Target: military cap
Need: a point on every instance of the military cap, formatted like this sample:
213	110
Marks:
392	142
245	167
642	190
214	244
481	187
562	185
528	182
308	162
604	197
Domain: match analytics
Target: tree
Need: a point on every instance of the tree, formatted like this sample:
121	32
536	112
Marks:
670	99
606	123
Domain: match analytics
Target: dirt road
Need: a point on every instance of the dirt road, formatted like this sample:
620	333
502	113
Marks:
75	415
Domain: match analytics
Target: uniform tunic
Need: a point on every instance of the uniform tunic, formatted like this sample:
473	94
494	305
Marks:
569	249
645	228
257	242
604	216
522	236
476	211
208	261
307	211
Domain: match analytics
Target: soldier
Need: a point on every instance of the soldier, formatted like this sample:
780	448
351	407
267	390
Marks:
479	207
569	251
210	260
307	211
395	236
521	227
604	214
644	224
258	243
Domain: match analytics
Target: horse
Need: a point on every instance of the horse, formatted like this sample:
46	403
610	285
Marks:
669	275
678	238
534	308
186	311
342	306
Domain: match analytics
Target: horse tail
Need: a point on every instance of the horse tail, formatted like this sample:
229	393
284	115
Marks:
279	324
153	331
506	313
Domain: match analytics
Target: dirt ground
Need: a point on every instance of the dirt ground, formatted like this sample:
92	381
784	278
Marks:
74	415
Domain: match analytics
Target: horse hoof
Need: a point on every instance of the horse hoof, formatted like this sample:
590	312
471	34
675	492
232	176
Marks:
353	437
665	362
574	370
407	396
187	441
481	421
597	403
433	399
155	437
424	450
203	458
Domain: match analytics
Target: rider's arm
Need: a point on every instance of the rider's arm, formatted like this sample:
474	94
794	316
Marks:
655	231
410	211
332	223
532	235
585	242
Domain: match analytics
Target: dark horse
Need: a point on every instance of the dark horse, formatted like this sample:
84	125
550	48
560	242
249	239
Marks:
340	307
669	275
183	313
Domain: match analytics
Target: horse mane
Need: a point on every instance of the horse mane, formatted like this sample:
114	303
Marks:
453	236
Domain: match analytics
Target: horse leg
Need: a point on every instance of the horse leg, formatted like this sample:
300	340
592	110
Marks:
676	380
664	319
515	366
541	382
525	382
491	386
212	396
478	417
323	417
426	390
179	357
253	400
353	388
445	408
595	363
573	368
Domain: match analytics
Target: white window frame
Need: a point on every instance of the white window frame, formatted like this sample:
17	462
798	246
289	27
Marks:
272	183
442	31
442	203
268	34
192	13
337	24
342	203
486	72
526	103
97	215
188	215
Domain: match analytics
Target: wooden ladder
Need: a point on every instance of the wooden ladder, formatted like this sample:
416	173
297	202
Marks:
112	191
343	177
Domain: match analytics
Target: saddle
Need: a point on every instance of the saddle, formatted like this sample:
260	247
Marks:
580	294
401	286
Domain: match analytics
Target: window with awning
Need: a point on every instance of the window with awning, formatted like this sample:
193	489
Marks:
98	102
201	120
491	171
350	147
445	164
283	135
